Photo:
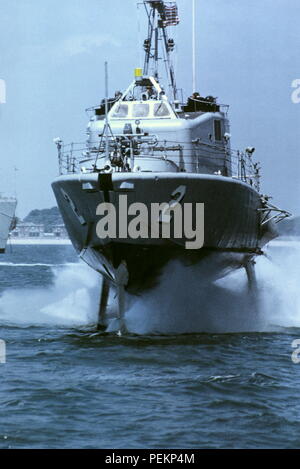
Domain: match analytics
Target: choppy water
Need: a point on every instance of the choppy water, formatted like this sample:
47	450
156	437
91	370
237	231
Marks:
65	385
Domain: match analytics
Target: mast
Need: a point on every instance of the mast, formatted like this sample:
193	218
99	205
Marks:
106	113
160	15
194	46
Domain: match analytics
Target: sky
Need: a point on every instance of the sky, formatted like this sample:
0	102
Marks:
52	56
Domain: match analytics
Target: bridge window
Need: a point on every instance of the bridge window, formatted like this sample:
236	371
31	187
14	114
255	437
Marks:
161	110
121	111
140	110
218	133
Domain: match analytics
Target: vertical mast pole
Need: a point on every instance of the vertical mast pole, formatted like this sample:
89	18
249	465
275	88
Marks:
139	34
156	53
194	45
106	113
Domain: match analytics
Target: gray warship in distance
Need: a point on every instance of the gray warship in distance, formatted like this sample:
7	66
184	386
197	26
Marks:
7	219
150	145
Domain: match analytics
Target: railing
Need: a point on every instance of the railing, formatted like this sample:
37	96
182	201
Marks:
234	163
7	198
245	169
241	163
208	104
70	156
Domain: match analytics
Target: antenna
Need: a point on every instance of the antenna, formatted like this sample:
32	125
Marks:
107	128
15	180
139	33
106	113
194	45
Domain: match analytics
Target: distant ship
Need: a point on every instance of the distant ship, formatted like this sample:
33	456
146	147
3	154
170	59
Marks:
148	146
7	219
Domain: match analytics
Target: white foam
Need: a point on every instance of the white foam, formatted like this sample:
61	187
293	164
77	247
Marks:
279	279
188	300
71	301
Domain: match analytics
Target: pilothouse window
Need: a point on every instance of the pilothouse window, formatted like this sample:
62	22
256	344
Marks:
161	110
218	133
140	110
121	111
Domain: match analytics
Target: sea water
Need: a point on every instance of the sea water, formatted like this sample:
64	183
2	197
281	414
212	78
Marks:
204	365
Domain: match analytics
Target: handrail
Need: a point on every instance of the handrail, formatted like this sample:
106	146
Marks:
73	155
208	101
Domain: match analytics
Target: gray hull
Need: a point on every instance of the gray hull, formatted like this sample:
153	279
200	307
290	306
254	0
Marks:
232	221
7	213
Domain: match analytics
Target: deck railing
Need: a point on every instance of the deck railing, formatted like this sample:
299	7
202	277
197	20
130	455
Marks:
236	164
